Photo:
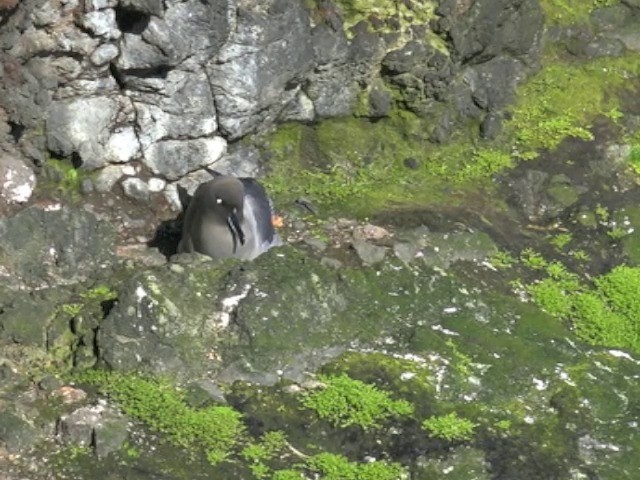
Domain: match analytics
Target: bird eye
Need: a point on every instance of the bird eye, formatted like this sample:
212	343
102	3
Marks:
218	201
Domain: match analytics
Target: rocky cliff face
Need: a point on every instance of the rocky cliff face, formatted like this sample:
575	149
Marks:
483	332
168	87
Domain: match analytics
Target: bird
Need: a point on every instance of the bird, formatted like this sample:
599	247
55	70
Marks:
229	217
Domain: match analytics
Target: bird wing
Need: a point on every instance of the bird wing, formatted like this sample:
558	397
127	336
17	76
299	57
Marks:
262	208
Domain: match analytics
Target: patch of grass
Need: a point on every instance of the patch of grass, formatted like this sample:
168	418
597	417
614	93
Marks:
634	158
392	15
533	259
502	259
99	293
607	313
484	163
270	446
449	427
461	361
617	233
580	255
567	12
504	425
64	177
336	467
160	405
354	162
288	474
345	401
561	240
545	115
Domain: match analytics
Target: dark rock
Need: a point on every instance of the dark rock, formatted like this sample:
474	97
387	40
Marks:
491	126
490	86
204	393
380	101
604	47
562	192
239	160
151	7
487	29
253	321
98	426
186	29
444	249
16	433
9	376
167	321
55	246
442	132
411	163
77	427
110	434
528	193
329	46
541	197
49	383
315	243
369	253
258	68
413	58
611	18
25	318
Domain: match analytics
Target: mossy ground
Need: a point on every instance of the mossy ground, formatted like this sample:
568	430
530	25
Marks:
386	15
568	12
365	167
62	178
355	164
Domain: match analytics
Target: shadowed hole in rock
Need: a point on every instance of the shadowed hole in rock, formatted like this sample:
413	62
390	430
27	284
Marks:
160	71
117	76
107	306
168	234
16	130
131	21
76	160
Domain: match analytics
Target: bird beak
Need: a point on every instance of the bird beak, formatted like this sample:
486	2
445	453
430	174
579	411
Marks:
236	229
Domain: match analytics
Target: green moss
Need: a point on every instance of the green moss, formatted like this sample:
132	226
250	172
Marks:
99	293
392	16
270	446
63	177
567	12
561	240
336	467
545	115
606	314
634	158
449	427
532	259
288	474
344	402
354	162
159	404
502	259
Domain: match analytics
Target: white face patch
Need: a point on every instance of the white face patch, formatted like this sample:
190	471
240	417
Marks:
218	201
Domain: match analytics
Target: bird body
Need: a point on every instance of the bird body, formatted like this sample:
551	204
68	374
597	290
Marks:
229	217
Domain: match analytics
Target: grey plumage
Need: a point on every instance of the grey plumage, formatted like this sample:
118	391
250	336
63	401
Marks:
229	217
